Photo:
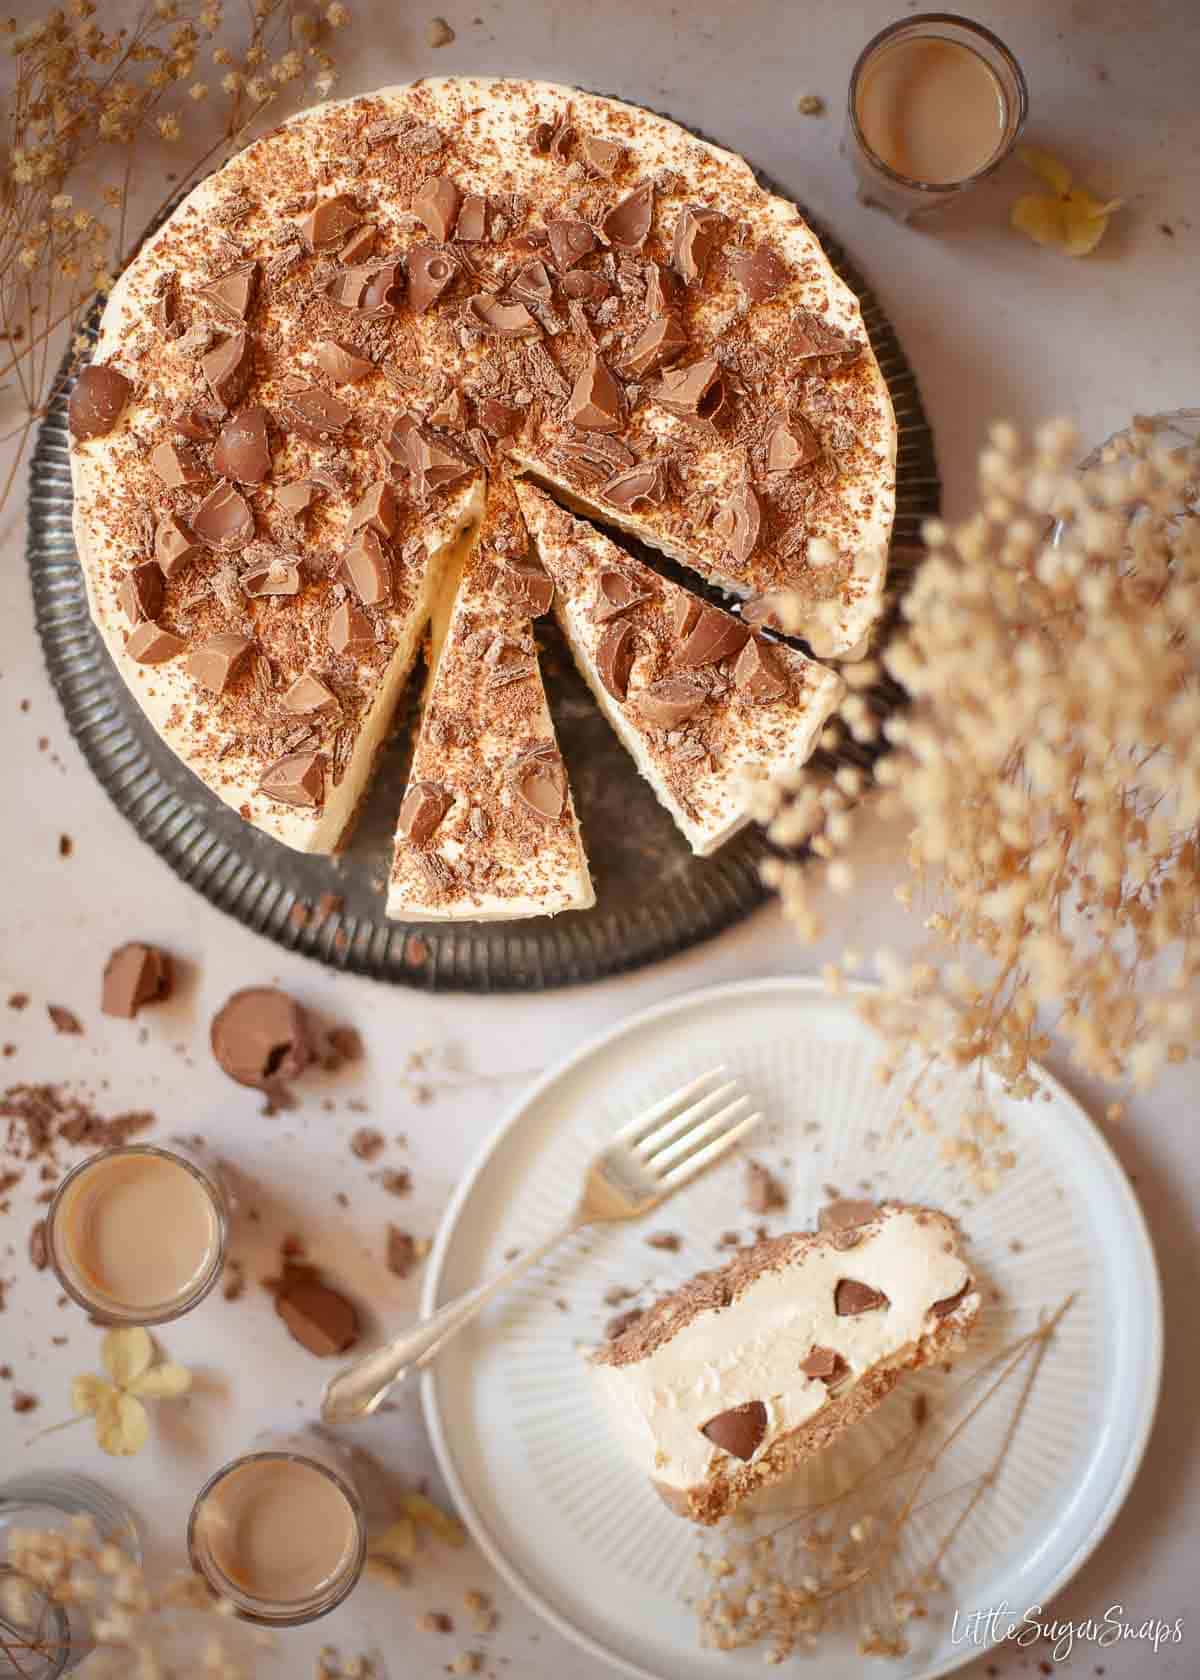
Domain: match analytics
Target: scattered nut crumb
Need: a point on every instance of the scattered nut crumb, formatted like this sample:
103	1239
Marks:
810	105
435	1621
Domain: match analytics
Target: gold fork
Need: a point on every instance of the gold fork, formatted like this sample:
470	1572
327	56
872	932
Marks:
648	1160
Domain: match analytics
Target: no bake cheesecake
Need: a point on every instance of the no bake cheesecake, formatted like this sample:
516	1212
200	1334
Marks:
306	379
727	1384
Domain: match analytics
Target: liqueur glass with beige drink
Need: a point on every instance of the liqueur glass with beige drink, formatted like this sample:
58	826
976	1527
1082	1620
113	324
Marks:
137	1234
936	103
280	1532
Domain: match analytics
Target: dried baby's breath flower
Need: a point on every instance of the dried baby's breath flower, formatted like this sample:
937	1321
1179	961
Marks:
1068	216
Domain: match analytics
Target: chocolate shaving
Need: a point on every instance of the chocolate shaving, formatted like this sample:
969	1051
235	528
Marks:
601	157
532	282
296	779
242	451
598	455
627	223
97	401
425	804
791	445
526	585
614	658
315	415
819	347
451	412
616	594
198	423
637	487
280	575
740	1431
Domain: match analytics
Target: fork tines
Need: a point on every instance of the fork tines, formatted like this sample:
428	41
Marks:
688	1130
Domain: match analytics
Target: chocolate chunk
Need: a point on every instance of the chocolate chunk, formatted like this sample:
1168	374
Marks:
764	1193
375	289
425	804
637	487
616	593
141	595
850	1298
150	644
570	242
846	1214
821	348
359	245
280	575
471	225
435	203
318	1317
309	694
217	661
315	415
758	674
505	320
403	1255
226	369
367	569
760	273
451	412
824	1364
134	975
164	311
671	701
296	779
298	496
174	544
697	230
232	293
950	1303
684	614
261	1036
39	1251
739	1431
580	283
376	509
662	289
540	782
627	223
614	657
715	636
739	521
97	402
532	282
697	391
199	423
224	519
596	404
792	444
350	631
176	466
554	137
430	271
597	455
527	585
64	1020
662	341
432	467
242	451
499	419
602	157
341	365
330	222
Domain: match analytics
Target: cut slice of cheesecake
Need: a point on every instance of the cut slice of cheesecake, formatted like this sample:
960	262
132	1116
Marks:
705	707
487	830
727	1384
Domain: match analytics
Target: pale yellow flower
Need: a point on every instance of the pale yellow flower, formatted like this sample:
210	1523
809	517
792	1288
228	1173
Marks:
1069	216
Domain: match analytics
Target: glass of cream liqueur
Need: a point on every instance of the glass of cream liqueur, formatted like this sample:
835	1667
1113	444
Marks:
137	1234
280	1532
936	103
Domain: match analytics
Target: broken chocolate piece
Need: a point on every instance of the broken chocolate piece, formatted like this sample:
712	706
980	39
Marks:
403	1255
850	1298
97	401
176	465
821	348
296	779
261	1036
224	518
280	575
616	593
216	662
320	1319
627	223
150	644
740	1431
602	157
430	271
471	226
758	674
134	975
141	595
697	391
637	487
846	1214
570	242
505	320
671	701
824	1364
226	369
435	204
451	412
662	289
375	289
432	467
760	273
540	782
367	569
614	657
500	419
330	222
684	614
715	636
359	245
791	445
342	365
425	804
951	1303
350	631
697	230
376	509
764	1193
315	415
739	521
527	585
532	282
198	423
580	283
309	694
596	404
242	451
298	496
174	544
231	293
662	341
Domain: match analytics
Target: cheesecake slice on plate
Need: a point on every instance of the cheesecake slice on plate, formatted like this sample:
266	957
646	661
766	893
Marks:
705	707
487	828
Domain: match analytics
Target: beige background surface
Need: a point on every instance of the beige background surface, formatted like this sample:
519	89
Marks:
995	328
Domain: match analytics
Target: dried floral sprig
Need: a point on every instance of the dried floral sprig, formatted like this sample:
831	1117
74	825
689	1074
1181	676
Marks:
1067	217
1049	771
90	105
122	1423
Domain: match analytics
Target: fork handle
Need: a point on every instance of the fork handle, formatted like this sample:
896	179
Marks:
357	1390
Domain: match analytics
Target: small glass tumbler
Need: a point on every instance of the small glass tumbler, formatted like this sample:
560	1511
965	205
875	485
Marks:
280	1533
998	77
137	1234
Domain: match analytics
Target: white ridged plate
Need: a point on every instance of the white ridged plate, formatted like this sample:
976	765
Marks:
543	1486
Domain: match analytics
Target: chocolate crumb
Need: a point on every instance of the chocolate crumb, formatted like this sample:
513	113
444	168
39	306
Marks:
438	33
397	1181
64	1020
24	1402
620	1322
666	1240
764	1192
404	1252
39	1257
65	845
367	1143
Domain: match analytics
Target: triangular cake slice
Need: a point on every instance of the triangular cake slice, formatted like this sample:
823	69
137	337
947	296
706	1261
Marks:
487	830
703	705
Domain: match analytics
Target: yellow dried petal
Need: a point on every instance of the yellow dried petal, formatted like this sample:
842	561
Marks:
1046	167
125	1354
1040	218
122	1426
397	1543
162	1382
1085	219
88	1391
424	1512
